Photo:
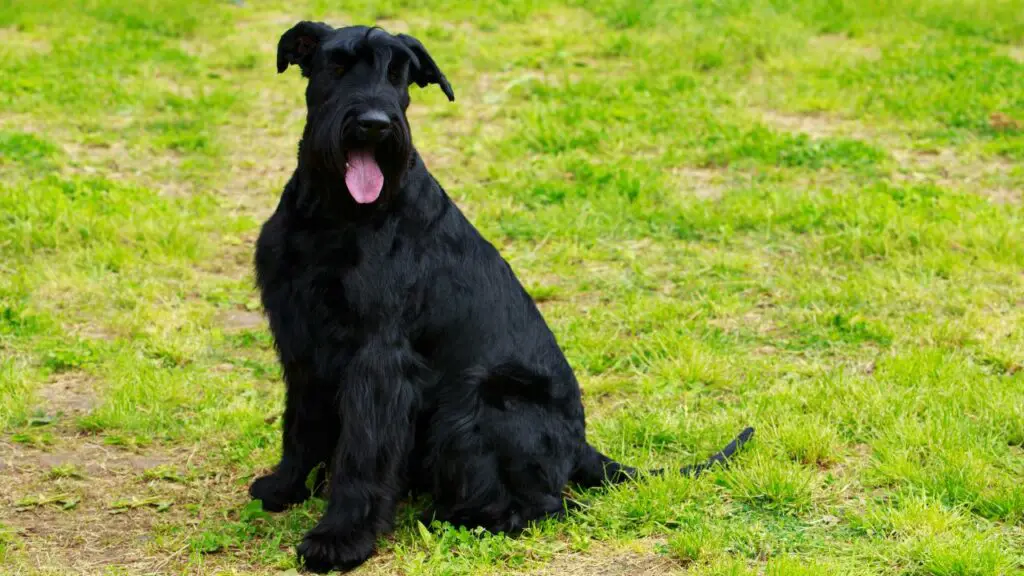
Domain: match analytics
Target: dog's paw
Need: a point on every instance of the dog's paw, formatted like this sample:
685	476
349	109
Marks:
276	493
323	550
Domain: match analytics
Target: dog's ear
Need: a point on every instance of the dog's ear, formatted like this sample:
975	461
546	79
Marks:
426	71
298	45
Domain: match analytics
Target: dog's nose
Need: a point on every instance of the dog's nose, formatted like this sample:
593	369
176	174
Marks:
374	123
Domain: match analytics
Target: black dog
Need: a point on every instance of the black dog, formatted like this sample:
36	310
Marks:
414	360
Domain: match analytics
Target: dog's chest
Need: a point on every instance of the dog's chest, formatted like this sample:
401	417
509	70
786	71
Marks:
356	277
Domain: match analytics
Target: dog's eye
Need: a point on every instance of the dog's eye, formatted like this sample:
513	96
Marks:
394	74
339	70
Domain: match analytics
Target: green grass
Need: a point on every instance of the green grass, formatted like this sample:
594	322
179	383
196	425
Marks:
803	216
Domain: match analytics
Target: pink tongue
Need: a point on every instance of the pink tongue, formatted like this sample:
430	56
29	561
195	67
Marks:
363	177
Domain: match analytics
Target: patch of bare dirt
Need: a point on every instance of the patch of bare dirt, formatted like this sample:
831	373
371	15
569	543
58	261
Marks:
750	321
51	540
816	125
23	41
617	563
113	159
83	507
394	25
91	459
118	162
90	332
945	167
1005	195
236	320
69	393
843	45
702	183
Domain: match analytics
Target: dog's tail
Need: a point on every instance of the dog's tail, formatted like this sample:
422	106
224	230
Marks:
596	469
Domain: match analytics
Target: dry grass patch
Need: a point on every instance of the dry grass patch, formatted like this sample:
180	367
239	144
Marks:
702	183
610	562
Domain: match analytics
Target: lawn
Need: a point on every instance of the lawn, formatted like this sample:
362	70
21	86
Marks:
806	216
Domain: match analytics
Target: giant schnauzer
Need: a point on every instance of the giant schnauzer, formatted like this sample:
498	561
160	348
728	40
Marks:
415	362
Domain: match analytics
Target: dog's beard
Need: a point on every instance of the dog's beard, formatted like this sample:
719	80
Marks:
368	170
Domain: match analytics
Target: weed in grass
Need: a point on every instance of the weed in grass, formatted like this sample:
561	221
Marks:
65	471
64	501
122	505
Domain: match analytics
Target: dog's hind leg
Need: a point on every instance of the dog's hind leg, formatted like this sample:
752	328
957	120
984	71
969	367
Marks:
310	428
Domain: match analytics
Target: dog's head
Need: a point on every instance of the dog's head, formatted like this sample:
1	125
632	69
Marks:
357	95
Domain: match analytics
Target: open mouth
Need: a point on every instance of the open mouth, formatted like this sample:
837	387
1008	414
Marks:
363	177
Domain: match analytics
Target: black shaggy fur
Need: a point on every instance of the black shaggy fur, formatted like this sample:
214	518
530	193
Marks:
413	358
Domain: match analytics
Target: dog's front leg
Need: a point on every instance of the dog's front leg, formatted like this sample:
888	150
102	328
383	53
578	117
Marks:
377	404
309	432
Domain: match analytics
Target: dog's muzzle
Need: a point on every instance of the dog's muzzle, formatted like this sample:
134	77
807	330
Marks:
373	142
373	126
363	176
